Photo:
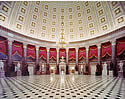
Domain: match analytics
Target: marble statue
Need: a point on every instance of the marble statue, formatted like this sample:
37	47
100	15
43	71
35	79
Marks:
2	72
121	66
18	69
104	72
43	67
18	66
82	69
1	65
62	66
40	68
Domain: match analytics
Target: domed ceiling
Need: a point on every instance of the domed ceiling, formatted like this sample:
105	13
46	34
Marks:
78	20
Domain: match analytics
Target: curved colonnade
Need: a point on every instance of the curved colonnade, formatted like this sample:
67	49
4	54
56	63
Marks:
112	38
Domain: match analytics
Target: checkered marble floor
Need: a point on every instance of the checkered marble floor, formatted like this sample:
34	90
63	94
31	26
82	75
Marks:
62	87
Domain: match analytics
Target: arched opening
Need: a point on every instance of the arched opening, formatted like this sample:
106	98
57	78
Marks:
31	59
106	58
52	60
82	60
72	60
93	56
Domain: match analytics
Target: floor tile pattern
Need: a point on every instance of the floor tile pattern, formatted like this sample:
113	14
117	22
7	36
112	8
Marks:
62	87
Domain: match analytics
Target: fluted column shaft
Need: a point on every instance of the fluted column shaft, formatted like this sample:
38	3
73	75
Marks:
67	55
87	58
113	52
9	51
76	55
37	54
25	51
99	48
48	55
57	55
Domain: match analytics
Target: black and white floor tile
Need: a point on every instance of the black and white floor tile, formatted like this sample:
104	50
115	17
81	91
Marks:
62	87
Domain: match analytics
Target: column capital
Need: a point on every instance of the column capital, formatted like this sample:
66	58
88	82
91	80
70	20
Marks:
87	48
47	49
25	45
113	42
57	49
67	49
99	45
77	49
37	47
10	41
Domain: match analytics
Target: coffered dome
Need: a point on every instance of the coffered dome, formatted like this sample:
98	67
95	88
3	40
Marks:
45	19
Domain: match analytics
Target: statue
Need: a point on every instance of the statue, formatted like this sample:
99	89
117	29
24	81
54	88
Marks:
62	59
18	69
62	65
43	68
1	66
2	72
81	69
120	66
18	66
104	72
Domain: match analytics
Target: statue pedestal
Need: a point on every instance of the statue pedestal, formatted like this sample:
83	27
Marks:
2	73
62	68
52	68
19	72
72	68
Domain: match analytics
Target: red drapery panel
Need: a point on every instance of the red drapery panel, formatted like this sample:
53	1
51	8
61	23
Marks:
82	52
31	51
106	48
72	53
17	48
62	52
120	46
42	53
3	46
93	51
52	53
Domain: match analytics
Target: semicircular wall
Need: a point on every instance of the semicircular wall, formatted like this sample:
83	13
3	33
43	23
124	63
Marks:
82	21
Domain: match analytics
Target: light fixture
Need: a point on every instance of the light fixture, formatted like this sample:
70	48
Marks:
62	42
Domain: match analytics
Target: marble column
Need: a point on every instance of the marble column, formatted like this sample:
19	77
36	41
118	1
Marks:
87	69
67	49
25	52
10	51
113	51
76	55
99	48
87	59
37	54
48	55
57	55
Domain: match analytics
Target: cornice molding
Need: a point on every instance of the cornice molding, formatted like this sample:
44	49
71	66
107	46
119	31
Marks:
114	35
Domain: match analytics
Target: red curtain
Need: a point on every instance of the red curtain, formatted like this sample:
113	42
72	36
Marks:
93	51
3	47
82	53
17	48
52	53
42	53
120	46
31	51
72	53
106	48
62	52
